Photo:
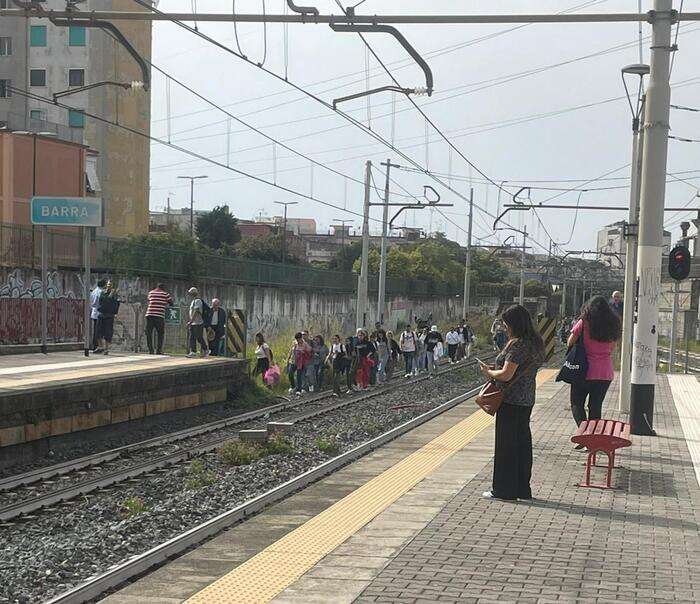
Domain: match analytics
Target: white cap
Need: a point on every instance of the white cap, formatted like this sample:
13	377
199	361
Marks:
193	291
433	328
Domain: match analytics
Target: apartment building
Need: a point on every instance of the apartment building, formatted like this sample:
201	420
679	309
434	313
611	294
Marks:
46	59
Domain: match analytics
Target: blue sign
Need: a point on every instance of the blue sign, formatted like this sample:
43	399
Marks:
67	211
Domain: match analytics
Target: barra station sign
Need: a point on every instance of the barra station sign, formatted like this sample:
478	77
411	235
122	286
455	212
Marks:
67	211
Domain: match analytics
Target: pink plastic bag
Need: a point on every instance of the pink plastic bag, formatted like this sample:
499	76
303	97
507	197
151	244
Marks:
272	376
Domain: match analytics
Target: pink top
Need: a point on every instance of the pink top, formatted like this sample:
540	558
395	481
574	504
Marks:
599	354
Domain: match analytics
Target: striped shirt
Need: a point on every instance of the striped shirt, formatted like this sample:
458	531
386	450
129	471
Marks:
158	300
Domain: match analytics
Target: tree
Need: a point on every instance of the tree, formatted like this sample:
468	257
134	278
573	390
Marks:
218	227
172	254
345	257
267	248
535	288
487	269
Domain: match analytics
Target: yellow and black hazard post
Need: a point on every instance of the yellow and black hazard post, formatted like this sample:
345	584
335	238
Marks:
547	328
235	334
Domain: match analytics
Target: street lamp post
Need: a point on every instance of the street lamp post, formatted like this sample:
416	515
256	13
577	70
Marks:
639	70
192	179
284	228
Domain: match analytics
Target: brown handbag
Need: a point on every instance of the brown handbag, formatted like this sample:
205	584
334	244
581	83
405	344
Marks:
490	396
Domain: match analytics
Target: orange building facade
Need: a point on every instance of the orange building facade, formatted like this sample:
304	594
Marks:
37	165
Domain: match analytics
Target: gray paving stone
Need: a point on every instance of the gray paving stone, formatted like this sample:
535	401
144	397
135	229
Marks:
637	543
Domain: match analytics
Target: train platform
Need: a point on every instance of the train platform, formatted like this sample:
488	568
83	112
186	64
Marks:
45	397
407	523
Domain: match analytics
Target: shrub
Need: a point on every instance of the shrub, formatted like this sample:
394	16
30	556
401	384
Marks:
237	453
329	446
279	445
198	476
133	506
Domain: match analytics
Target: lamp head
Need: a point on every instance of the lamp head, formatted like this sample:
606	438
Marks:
639	69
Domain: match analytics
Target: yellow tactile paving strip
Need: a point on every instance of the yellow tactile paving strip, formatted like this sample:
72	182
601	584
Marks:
271	571
102	371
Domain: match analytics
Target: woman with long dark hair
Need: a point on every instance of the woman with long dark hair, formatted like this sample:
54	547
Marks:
516	368
600	328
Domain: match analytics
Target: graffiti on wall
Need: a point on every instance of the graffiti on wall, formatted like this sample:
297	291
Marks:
16	287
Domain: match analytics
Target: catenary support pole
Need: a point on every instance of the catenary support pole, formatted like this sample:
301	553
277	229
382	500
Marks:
381	295
86	290
361	311
563	300
651	208
44	287
630	293
192	208
468	258
521	296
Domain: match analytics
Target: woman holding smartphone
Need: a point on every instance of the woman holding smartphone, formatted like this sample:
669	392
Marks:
516	369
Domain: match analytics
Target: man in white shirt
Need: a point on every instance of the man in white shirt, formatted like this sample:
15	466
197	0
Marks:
94	312
408	343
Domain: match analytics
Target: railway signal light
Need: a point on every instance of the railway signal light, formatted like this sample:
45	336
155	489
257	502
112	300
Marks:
679	263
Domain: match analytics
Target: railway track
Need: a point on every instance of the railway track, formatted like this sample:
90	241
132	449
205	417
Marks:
32	503
136	565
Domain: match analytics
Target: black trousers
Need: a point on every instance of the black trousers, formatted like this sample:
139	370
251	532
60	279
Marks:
594	391
157	324
452	351
94	334
512	465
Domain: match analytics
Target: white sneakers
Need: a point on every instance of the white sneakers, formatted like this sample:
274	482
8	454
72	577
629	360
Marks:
190	355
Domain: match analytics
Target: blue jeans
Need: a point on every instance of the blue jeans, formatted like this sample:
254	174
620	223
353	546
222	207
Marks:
408	357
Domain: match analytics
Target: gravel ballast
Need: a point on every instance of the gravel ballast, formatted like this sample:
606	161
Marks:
59	548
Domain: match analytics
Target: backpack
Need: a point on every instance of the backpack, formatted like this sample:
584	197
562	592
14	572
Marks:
108	305
206	312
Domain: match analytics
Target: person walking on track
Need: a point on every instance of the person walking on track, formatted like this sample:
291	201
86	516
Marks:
363	351
336	358
433	349
408	342
600	328
158	301
453	340
515	369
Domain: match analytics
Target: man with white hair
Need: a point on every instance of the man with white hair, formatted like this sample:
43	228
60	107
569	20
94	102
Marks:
195	325
617	304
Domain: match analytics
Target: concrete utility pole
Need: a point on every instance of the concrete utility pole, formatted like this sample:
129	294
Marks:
284	227
630	295
381	296
361	311
522	268
192	179
651	209
468	259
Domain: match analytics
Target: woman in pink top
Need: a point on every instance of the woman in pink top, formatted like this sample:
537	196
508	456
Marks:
601	330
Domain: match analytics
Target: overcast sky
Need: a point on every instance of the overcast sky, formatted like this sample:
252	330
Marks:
555	125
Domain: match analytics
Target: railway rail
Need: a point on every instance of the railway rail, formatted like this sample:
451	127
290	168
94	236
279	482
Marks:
34	503
97	585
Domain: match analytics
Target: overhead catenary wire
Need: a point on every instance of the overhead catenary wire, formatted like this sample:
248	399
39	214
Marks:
145	135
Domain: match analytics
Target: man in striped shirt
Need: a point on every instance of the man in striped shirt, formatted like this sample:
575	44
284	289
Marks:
158	301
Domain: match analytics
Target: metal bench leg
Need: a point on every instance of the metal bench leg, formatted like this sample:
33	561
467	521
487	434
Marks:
611	465
591	458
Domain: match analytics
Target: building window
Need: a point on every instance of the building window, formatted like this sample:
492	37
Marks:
37	77
76	77
37	114
5	92
5	47
3	3
76	36
76	119
37	35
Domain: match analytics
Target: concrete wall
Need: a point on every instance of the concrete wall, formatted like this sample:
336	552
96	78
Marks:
14	67
268	309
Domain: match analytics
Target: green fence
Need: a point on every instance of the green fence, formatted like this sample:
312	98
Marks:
20	246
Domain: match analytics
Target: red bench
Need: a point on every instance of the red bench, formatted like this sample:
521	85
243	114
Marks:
602	435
